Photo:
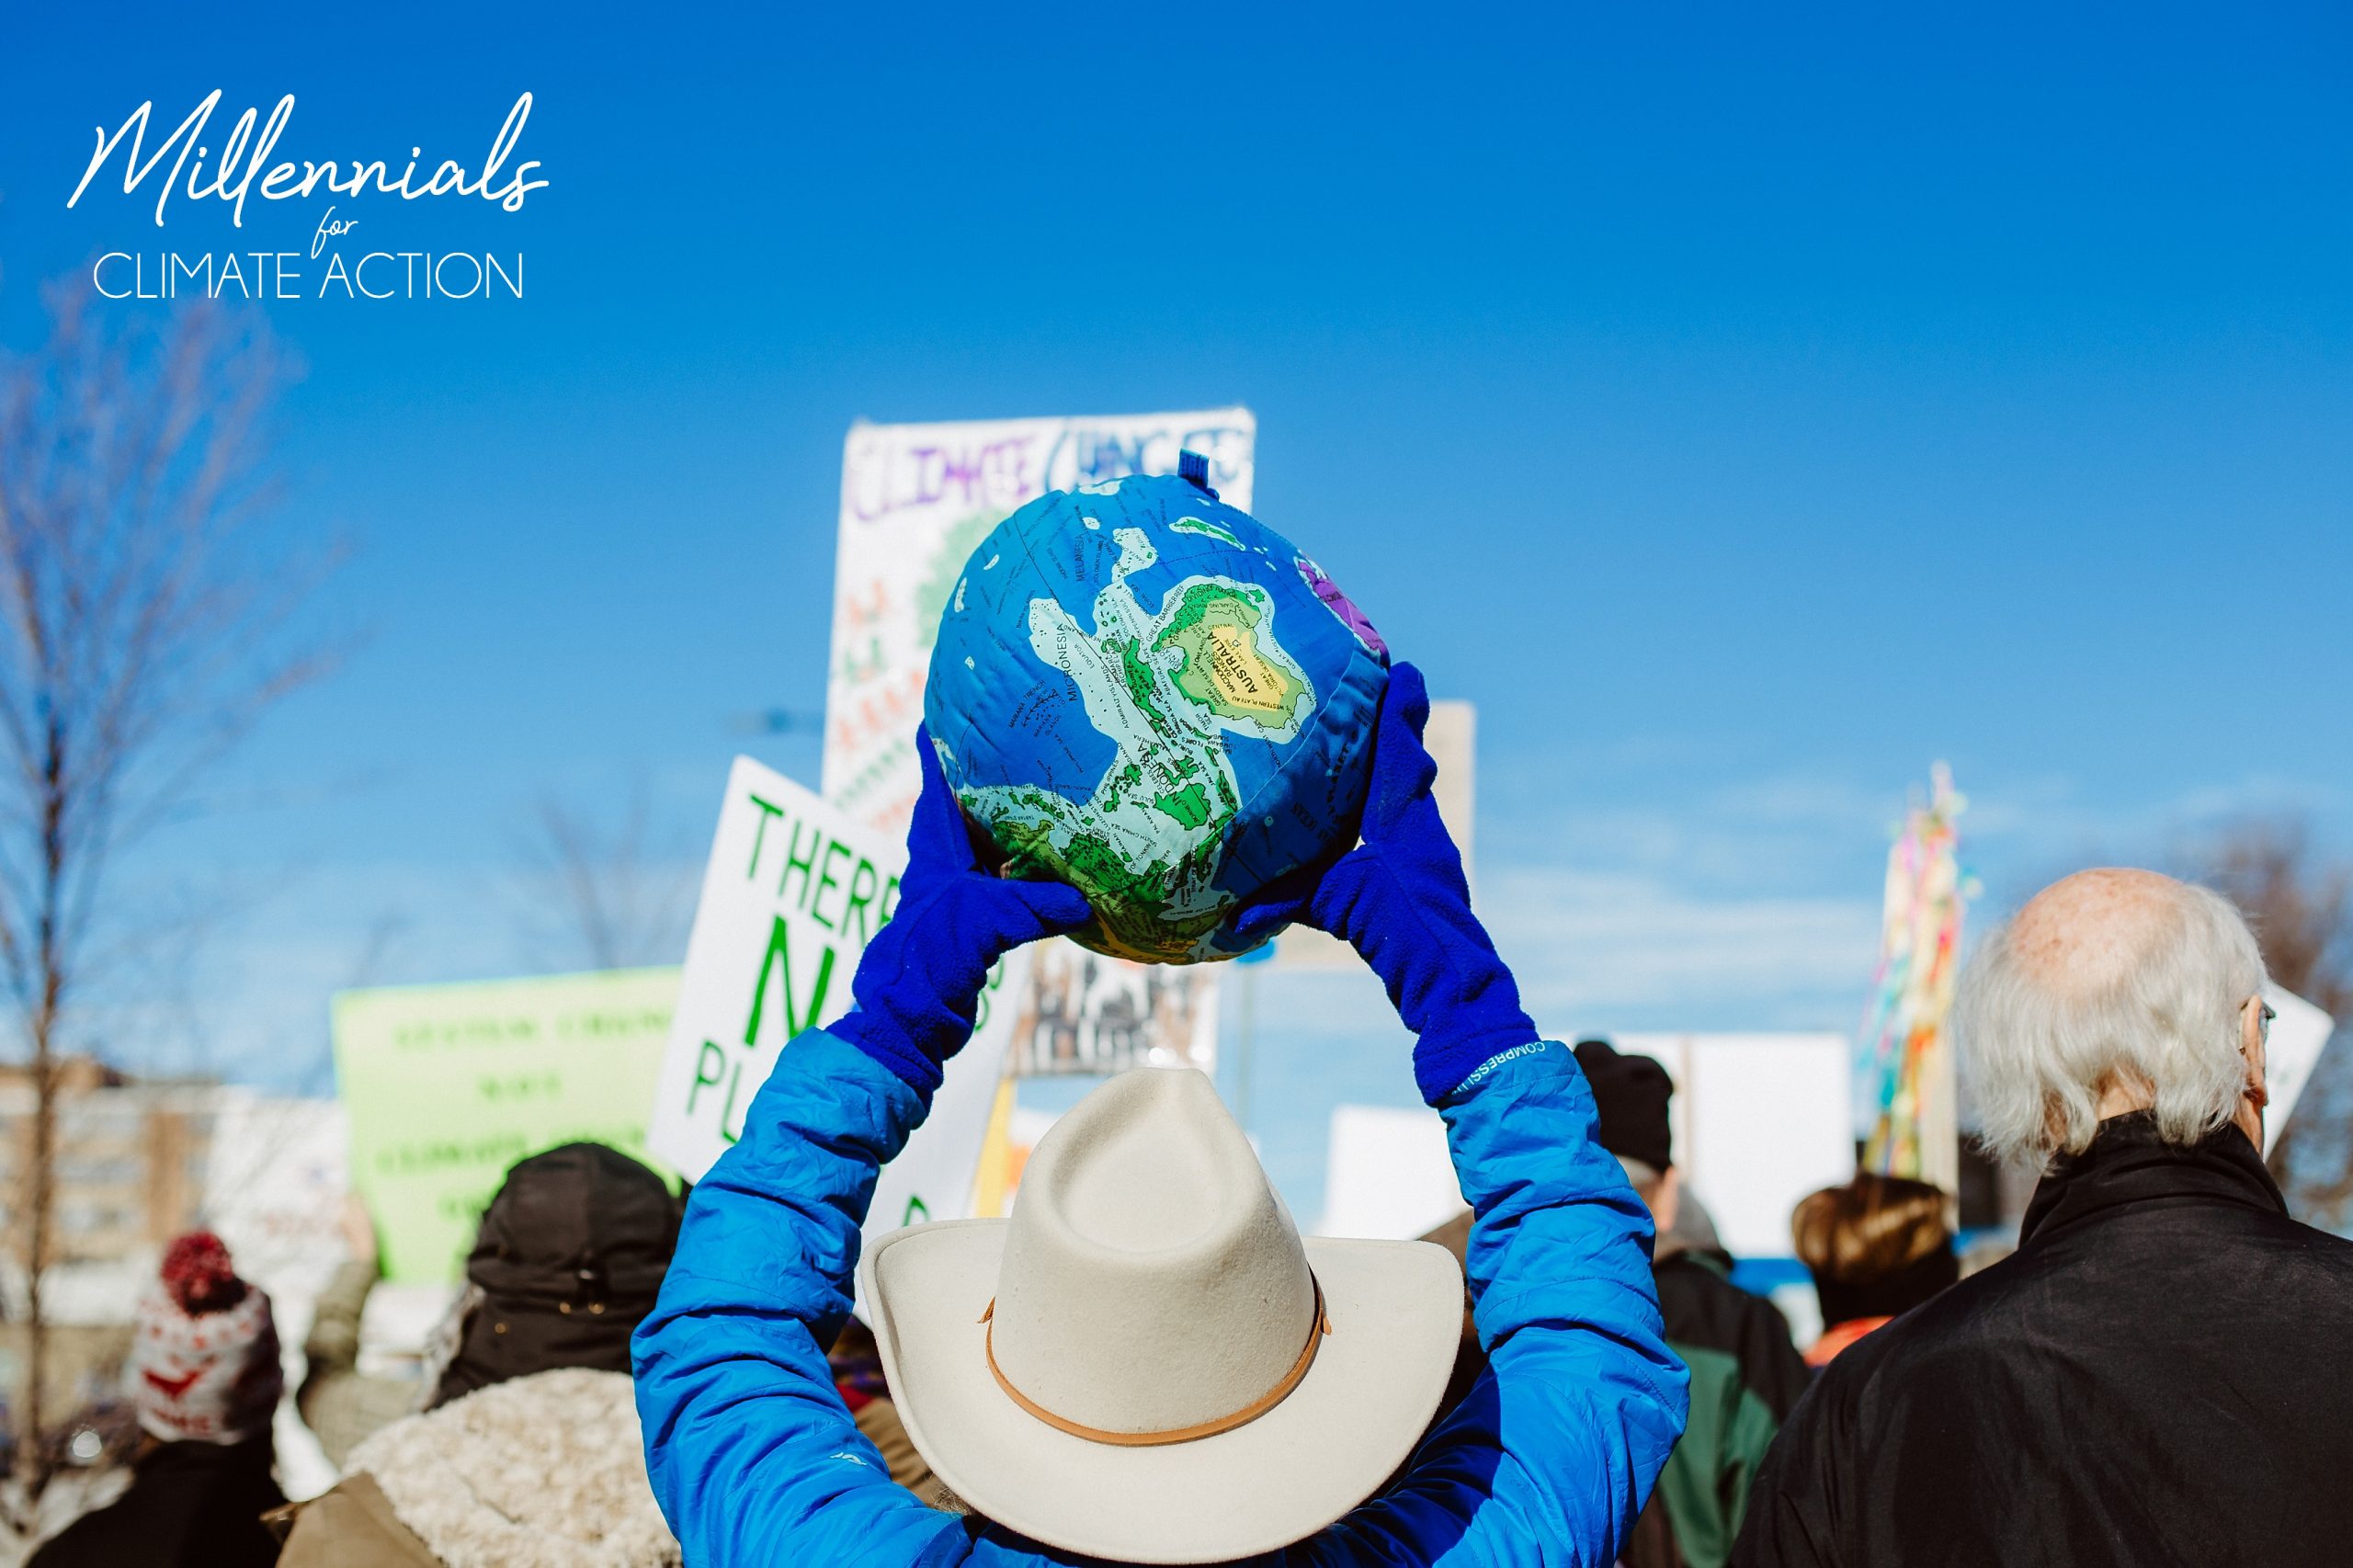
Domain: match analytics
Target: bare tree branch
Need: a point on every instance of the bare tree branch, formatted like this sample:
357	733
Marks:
601	898
2300	906
144	629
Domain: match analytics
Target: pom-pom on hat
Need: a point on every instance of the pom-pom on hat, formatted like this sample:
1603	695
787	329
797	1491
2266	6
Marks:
198	1276
204	1360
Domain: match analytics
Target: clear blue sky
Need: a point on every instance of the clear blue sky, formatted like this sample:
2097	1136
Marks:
1745	409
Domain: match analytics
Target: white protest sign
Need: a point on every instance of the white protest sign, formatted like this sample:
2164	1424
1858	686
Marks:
916	500
1759	1120
794	890
2298	1035
1388	1174
276	1179
1085	1013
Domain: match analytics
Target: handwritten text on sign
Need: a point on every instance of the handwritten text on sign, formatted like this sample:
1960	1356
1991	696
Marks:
448	1086
794	890
916	500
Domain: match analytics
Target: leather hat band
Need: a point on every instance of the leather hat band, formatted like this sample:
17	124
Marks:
1248	1413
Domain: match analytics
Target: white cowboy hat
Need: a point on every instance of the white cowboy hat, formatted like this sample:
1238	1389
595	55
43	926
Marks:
1145	1363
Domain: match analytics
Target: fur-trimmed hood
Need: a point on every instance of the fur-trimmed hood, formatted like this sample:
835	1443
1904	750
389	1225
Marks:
543	1471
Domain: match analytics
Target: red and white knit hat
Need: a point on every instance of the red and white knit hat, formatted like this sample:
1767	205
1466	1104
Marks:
204	1349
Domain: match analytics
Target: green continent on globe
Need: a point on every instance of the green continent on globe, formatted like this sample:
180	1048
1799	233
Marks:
1147	842
1140	685
1189	806
1229	668
1206	528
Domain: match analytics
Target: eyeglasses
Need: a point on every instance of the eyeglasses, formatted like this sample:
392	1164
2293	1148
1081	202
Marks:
2263	1020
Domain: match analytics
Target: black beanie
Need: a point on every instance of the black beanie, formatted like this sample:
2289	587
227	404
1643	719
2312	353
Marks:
1632	1093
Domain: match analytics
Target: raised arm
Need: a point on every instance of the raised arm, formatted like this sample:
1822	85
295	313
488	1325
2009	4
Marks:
1550	1456
1552	1452
753	1455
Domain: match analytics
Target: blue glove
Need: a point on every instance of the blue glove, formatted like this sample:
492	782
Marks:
1401	900
919	985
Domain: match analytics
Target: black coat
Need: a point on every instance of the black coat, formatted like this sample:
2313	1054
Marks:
2162	1374
190	1505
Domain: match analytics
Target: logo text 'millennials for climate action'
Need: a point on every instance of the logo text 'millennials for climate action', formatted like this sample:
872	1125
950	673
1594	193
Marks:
241	169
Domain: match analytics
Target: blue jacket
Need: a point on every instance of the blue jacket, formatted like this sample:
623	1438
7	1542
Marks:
756	1459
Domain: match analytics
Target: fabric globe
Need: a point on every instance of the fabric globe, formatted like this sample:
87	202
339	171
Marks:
1152	696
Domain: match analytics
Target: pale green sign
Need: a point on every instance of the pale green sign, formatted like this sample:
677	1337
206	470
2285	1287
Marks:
448	1086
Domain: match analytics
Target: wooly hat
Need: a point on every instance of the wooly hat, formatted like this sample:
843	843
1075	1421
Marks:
1631	1096
1146	1363
204	1360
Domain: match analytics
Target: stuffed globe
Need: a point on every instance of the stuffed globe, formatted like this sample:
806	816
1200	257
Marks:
1150	696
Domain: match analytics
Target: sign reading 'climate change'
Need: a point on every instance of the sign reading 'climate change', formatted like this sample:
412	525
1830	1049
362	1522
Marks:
916	500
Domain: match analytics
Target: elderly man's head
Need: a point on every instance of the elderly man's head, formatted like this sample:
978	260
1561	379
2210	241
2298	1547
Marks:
2114	990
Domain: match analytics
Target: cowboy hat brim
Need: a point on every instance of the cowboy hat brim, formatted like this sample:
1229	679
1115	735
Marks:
1395	1310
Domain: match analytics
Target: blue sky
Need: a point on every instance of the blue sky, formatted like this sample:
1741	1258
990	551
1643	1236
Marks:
1745	409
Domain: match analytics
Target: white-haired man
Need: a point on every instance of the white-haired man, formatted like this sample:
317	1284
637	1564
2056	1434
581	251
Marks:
2160	1374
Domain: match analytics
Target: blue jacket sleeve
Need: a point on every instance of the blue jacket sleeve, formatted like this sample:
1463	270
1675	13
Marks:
756	1461
1552	1454
753	1455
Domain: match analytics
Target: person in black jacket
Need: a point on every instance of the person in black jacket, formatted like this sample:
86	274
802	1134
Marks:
569	1259
527	1445
2158	1375
204	1375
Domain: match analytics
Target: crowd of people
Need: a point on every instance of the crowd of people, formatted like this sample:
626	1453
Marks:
517	1442
1147	1363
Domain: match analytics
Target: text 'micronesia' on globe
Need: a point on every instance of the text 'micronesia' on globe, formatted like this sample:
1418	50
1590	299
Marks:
1154	697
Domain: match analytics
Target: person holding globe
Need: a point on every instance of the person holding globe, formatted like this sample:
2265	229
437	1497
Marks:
1147	1363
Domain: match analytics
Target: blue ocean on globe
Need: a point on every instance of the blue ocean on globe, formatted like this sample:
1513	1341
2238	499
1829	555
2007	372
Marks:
1152	696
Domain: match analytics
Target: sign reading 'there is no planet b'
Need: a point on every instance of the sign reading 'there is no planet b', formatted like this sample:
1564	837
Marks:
795	889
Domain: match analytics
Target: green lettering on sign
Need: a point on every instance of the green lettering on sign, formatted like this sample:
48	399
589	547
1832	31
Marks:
711	1062
779	957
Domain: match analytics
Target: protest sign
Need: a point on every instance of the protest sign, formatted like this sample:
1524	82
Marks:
276	1181
916	500
1388	1174
448	1086
275	1177
2298	1035
1086	1013
1759	1120
794	890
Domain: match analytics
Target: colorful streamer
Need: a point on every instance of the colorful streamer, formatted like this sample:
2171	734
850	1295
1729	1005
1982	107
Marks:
1906	1057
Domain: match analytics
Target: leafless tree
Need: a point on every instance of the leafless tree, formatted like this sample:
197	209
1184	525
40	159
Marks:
601	897
145	626
2301	904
